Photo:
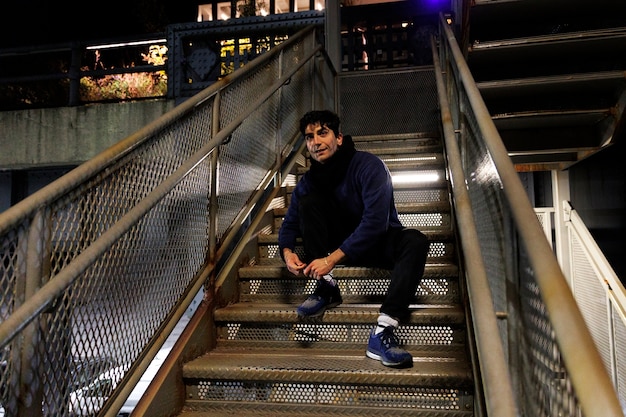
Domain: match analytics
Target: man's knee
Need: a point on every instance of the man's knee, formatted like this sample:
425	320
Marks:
415	240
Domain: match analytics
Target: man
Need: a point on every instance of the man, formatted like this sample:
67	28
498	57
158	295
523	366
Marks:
344	211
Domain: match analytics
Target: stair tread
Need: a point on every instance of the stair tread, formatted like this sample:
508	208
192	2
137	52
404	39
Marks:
275	268
433	233
420	161
275	262
423	207
417	349
308	365
410	207
254	409
258	312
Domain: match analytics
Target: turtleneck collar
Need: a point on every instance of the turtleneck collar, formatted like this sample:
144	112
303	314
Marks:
325	177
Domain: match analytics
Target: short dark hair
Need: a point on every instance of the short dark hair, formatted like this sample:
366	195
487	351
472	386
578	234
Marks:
323	117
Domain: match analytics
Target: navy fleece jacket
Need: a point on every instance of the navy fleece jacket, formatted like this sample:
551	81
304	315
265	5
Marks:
366	192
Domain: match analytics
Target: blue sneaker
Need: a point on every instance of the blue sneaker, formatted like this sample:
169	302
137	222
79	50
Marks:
384	347
325	296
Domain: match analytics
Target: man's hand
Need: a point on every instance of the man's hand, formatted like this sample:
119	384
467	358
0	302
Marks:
317	268
293	262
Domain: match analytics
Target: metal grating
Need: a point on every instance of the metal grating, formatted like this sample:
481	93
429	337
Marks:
421	220
330	394
436	250
345	333
372	287
592	300
388	98
420	196
620	354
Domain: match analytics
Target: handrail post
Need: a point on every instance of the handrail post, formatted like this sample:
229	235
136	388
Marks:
37	256
213	203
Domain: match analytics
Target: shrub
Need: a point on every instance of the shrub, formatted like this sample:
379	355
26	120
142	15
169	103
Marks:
128	85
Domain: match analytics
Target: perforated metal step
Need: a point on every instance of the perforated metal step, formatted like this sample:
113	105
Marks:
271	281
442	248
253	409
328	378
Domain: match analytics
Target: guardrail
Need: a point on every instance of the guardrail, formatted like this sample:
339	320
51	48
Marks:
600	295
554	364
103	262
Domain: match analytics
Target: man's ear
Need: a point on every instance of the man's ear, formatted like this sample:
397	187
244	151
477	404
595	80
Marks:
340	139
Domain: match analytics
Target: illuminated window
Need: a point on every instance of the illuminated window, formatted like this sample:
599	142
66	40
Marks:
282	6
258	8
223	10
301	5
205	12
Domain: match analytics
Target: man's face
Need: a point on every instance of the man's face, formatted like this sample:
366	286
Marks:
321	142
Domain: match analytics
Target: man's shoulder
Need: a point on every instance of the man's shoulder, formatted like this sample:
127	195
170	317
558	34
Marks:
367	158
365	155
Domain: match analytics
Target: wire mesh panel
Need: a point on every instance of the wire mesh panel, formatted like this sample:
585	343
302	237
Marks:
600	295
332	394
384	109
12	274
125	244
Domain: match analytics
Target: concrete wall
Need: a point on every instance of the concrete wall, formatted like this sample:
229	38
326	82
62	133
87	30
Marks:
70	135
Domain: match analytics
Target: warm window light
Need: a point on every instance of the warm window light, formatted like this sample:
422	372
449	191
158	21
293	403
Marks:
414	177
205	12
117	45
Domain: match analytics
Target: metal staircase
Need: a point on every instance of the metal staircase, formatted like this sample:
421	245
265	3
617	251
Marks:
267	362
555	87
108	259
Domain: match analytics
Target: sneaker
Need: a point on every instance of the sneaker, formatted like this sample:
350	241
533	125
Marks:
325	296
384	347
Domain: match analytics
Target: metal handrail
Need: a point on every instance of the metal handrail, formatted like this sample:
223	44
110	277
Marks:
496	381
591	383
25	313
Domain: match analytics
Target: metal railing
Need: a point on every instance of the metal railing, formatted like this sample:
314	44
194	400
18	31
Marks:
496	381
98	267
600	295
555	368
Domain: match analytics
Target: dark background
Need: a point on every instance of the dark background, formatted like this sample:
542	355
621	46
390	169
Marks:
39	22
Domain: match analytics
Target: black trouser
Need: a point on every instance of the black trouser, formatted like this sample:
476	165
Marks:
324	226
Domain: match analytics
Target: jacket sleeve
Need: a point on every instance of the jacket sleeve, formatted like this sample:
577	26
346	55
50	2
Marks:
373	181
290	228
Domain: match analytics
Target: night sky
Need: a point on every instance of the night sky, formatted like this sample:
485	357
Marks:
38	22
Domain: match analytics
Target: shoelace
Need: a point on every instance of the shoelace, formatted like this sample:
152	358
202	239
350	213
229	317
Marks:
388	338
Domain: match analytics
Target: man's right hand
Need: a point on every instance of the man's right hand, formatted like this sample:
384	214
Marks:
293	262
